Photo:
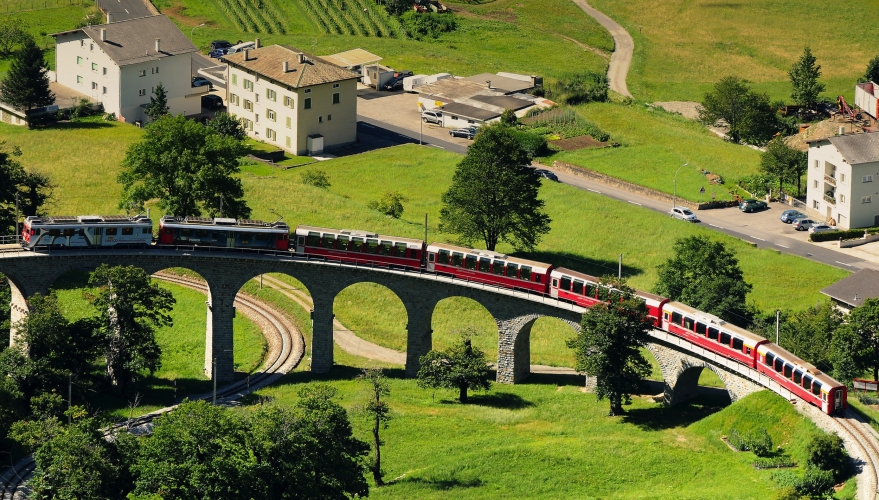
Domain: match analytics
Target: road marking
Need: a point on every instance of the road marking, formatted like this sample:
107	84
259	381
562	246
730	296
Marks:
843	263
712	225
594	191
126	11
434	145
782	246
633	203
756	238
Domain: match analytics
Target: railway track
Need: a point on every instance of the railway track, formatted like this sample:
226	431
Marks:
864	438
286	349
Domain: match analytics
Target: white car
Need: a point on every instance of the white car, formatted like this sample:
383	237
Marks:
431	116
683	213
821	228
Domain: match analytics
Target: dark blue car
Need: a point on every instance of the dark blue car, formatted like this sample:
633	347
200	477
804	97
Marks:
789	216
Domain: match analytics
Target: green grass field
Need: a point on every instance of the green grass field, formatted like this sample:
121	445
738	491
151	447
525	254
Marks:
682	48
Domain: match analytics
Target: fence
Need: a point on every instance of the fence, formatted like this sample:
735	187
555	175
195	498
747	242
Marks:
10	6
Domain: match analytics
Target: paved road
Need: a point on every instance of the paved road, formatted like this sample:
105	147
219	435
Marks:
399	135
622	52
123	10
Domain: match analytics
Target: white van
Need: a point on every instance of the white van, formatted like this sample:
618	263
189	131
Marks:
240	47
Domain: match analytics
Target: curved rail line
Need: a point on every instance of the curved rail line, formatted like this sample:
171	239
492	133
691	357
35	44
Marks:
863	436
286	349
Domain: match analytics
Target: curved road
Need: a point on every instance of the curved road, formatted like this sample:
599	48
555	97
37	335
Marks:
623	48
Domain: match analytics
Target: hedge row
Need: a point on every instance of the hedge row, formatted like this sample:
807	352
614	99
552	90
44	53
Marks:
850	234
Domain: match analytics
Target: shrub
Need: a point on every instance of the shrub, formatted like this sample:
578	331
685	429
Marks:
757	184
760	442
816	483
868	400
422	26
737	441
391	204
317	178
774	462
849	234
826	452
534	144
580	88
564	122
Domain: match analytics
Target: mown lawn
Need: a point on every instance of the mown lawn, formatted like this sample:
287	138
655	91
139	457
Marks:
683	47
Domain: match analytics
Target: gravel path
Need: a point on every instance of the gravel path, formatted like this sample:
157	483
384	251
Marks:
624	46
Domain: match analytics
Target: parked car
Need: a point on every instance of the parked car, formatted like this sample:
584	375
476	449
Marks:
821	228
546	174
219	44
750	205
466	132
683	213
212	101
395	84
802	224
788	216
432	116
200	81
218	53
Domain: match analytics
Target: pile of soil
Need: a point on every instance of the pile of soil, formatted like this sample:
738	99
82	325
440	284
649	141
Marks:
580	142
821	130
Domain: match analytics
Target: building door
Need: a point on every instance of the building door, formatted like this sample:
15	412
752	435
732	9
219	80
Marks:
829	212
876	220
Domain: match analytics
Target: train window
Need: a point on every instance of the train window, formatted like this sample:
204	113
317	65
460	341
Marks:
470	262
328	240
127	231
457	257
343	242
221	235
498	267
748	351
313	239
371	246
701	328
400	249
713	333
302	240
111	231
688	323
536	278
54	232
566	283
798	377
245	238
779	365
385	247
259	236
525	273
816	388
770	358
725	338
200	233
71	231
484	264
665	315
147	230
590	290
443	257
357	245
788	370
555	283
676	318
512	271
578	287
96	231
737	344
807	382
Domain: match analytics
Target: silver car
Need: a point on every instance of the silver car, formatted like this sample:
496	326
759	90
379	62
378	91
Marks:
803	224
683	213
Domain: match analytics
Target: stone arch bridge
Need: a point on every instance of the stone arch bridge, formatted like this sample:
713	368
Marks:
227	271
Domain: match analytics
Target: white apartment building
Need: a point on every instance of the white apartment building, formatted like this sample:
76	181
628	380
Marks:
844	179
293	100
120	63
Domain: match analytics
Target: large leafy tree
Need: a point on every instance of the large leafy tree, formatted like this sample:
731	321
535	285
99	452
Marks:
378	412
227	126
704	274
158	106
804	79
609	344
26	85
189	168
33	189
783	162
13	32
856	343
493	196
808	333
130	308
461	367
872	72
748	114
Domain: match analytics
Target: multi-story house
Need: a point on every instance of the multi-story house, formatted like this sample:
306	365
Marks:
844	179
293	100
119	64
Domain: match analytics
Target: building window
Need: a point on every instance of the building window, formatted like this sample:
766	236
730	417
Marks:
248	85
288	123
329	117
79	60
79	79
94	86
271	94
256	117
141	92
842	198
142	72
271	115
288	102
105	90
250	125
336	98
248	105
307	104
867	199
841	177
105	71
307	91
82	43
815	204
95	67
320	119
270	134
234	79
868	178
816	163
816	184
288	141
91	46
335	85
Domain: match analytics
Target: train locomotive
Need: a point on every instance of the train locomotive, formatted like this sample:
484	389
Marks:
492	268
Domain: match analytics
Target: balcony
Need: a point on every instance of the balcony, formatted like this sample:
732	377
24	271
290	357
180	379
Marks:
830	180
830	199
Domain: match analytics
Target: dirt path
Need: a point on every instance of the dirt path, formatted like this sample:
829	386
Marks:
622	52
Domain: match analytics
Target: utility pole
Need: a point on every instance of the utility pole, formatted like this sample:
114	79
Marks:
620	272
17	235
777	315
69	395
214	376
425	228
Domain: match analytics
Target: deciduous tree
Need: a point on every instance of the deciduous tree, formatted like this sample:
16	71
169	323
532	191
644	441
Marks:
34	189
808	333
189	168
461	367
390	204
379	414
783	162
608	346
158	106
704	274
872	72
13	32
804	79
856	343
493	196
227	126
130	308
748	114
26	85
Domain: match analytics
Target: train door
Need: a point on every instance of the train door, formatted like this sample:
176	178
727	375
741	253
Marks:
838	399
96	235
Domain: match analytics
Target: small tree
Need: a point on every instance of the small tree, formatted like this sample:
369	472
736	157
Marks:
378	412
748	114
158	106
856	343
783	162
608	346
317	178
13	32
26	85
227	126
872	72
804	78
509	118
462	367
390	204
827	452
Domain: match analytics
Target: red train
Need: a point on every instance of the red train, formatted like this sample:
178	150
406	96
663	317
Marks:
362	247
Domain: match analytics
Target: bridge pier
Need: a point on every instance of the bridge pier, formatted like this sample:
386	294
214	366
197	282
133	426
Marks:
322	332
514	347
419	335
218	353
18	310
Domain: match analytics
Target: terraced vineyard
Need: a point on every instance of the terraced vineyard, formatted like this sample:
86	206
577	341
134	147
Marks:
253	16
352	17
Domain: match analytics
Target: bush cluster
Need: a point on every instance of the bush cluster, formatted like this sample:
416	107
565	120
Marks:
422	26
848	234
759	442
565	123
774	462
580	88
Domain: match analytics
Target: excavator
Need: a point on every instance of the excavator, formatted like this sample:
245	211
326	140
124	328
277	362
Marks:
846	111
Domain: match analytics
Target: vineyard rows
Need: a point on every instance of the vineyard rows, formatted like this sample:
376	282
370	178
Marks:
352	17
254	16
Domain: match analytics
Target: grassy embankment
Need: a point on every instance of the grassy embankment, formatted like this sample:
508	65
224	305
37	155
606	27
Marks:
683	48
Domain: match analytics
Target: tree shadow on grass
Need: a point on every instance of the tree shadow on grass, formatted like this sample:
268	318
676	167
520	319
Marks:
78	125
442	484
557	379
709	400
338	372
594	267
502	400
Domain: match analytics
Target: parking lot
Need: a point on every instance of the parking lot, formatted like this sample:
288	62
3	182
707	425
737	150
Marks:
763	220
401	109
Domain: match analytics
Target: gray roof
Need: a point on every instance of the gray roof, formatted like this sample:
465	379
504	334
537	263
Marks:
857	148
134	41
501	83
503	101
466	111
853	289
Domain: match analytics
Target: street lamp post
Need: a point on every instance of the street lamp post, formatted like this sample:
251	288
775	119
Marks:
193	31
674	203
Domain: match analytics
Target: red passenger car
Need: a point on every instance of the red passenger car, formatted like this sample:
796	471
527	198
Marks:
359	247
488	267
801	378
711	332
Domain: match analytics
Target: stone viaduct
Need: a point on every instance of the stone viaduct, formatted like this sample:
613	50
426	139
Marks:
227	271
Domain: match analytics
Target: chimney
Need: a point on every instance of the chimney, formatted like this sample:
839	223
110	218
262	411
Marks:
286	67
301	58
103	34
256	43
158	45
109	19
842	130
246	54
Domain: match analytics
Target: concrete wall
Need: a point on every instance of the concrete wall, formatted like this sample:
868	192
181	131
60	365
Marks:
70	47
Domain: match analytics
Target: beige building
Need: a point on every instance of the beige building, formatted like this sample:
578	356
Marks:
119	64
844	179
291	99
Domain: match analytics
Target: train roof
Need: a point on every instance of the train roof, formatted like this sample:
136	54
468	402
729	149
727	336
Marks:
713	320
489	254
792	358
358	233
593	279
172	221
88	219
